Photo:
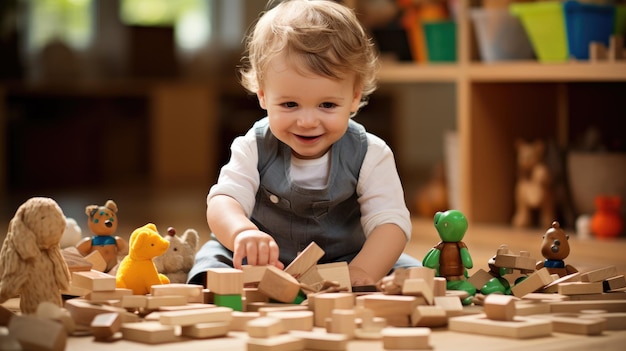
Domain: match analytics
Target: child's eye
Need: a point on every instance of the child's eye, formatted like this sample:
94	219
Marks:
289	104
328	105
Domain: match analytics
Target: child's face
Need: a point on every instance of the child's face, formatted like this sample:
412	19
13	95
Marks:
307	112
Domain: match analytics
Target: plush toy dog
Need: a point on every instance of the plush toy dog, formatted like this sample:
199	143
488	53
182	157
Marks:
177	261
31	264
102	221
137	271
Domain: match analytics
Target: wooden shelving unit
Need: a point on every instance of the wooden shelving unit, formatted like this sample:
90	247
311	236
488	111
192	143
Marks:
499	102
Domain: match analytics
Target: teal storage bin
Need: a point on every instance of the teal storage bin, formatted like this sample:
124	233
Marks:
440	40
587	23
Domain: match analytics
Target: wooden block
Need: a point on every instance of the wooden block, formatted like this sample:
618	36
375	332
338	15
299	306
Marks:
439	286
240	319
321	341
523	263
343	322
450	304
429	316
279	285
93	280
284	342
500	307
189	306
205	330
580	288
224	281
105	325
616	45
571	324
577	306
406	338
252	274
528	307
254	295
38	334
554	286
265	327
305	260
519	328
51	311
189	317
545	297
336	272
480	278
149	332
97	261
134	301
75	260
312	279
192	292
597	52
83	311
612	295
324	304
418	287
154	302
614	283
614	321
599	275
388	305
116	294
295	320
534	282
264	311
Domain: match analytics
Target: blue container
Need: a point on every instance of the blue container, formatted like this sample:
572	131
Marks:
586	23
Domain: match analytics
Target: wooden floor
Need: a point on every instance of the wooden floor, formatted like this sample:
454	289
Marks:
184	208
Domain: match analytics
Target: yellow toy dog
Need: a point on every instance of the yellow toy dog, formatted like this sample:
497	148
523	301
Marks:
137	270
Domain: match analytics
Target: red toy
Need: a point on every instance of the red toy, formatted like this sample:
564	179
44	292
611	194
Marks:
607	221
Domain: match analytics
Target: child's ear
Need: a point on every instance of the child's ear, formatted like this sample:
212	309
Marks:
356	100
261	96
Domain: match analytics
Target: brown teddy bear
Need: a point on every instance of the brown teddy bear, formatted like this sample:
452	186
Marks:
102	221
533	191
177	261
555	248
31	264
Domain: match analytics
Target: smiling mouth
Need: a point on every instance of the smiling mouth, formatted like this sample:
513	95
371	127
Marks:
308	137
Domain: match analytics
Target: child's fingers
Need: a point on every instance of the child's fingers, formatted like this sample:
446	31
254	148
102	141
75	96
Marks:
274	254
238	254
263	257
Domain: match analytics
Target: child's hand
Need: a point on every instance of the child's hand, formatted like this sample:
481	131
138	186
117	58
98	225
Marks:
259	247
359	277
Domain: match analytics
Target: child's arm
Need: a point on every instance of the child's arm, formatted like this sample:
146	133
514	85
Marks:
233	229
378	255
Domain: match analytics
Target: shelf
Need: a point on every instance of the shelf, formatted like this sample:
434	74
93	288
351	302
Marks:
517	71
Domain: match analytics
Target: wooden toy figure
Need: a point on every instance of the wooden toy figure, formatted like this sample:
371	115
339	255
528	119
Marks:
555	248
31	264
102	221
450	257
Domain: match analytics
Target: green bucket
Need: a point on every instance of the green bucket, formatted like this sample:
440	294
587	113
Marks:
440	40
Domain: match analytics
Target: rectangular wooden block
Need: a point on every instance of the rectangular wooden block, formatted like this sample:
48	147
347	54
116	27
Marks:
571	324
265	327
240	320
429	316
577	306
206	330
149	332
534	282
343	322
38	334
418	287
189	317
614	321
224	281
83	311
580	288
154	302
519	328
279	285
231	301
500	307
284	342
406	338
93	280
295	320
614	283
450	304
336	271
554	286
322	341
599	275
480	278
388	305
253	274
108	295
134	301
324	304
305	260
192	292
105	325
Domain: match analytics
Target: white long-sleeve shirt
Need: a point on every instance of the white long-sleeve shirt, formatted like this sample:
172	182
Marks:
379	190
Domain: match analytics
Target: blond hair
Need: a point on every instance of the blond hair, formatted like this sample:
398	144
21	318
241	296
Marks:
321	37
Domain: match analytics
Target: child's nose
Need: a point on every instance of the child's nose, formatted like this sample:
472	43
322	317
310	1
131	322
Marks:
308	119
